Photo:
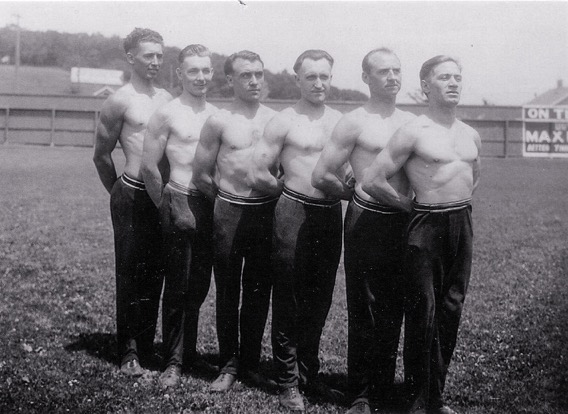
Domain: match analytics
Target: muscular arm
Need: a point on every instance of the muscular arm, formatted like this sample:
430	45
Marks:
154	146
206	157
108	132
386	164
264	166
328	175
477	163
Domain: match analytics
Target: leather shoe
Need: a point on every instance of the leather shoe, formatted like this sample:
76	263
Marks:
442	410
360	408
291	399
223	383
171	376
132	368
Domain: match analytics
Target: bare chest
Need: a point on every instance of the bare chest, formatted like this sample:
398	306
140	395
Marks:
309	136
186	127
139	111
242	134
375	135
441	146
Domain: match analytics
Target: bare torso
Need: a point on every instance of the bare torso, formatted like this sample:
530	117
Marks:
139	108
441	167
304	142
184	126
375	132
239	135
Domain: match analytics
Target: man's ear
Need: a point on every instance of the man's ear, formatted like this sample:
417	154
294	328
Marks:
425	87
229	79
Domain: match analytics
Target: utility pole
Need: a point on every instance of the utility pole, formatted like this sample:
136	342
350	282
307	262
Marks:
17	57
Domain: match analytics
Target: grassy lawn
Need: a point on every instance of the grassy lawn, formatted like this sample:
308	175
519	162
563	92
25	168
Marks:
57	353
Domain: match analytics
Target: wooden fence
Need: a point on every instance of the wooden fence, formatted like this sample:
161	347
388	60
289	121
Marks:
72	121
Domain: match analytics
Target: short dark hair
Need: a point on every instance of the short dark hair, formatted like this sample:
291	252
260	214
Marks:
193	50
313	54
243	54
430	64
365	64
139	35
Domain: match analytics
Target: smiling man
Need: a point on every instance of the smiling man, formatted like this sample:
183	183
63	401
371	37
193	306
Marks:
186	215
242	227
307	229
138	254
440	156
374	232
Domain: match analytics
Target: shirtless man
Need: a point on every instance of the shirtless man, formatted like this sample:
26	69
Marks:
307	229
440	156
374	233
242	222
186	214
137	244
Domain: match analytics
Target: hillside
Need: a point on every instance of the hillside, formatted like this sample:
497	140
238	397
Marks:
61	51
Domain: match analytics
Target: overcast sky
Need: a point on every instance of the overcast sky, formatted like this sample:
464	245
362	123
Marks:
510	51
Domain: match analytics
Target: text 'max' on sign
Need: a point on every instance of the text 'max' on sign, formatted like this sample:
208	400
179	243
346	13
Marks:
545	131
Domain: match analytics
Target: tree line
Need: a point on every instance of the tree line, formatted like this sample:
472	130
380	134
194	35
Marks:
67	50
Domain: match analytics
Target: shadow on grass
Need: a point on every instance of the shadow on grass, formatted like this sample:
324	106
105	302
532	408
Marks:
391	401
103	346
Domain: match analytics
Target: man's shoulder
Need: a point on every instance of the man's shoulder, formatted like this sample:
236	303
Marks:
163	93
169	110
285	115
333	113
220	117
417	123
405	116
467	129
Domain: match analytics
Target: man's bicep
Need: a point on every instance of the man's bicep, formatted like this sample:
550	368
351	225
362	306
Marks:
397	151
337	151
109	127
155	139
208	146
270	145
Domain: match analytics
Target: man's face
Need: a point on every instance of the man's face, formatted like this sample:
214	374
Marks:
314	80
195	73
444	84
146	59
384	77
247	79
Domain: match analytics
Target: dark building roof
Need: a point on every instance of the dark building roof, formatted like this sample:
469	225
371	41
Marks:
553	97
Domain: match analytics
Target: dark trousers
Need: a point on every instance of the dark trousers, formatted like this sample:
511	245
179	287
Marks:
440	239
375	242
307	248
242	231
187	226
139	270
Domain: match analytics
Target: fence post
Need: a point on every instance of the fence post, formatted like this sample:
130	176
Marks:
506	143
52	133
6	129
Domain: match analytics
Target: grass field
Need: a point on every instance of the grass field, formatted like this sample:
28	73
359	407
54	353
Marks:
57	352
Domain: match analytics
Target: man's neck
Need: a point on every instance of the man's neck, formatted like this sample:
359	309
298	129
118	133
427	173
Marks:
444	115
142	85
382	105
247	108
304	106
197	103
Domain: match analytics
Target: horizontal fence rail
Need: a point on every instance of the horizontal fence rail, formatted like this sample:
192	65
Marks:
74	123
